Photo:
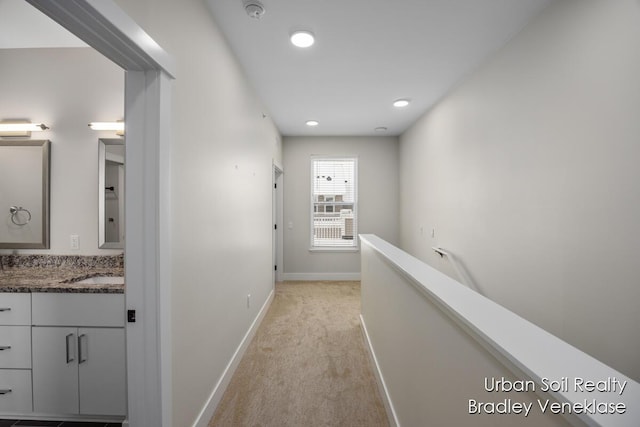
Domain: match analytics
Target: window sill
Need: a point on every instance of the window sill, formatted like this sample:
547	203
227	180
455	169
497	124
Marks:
335	249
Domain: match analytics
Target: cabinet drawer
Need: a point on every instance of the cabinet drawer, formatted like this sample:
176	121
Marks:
15	391
15	309
77	309
15	347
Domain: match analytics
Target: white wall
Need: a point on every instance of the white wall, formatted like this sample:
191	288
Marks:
65	89
377	201
430	362
221	177
528	172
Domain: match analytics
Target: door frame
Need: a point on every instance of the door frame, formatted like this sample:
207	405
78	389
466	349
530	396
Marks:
103	25
278	232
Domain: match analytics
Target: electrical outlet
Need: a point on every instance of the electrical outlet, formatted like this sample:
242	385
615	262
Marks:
74	242
248	300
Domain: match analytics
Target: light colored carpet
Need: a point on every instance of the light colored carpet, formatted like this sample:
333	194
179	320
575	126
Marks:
307	364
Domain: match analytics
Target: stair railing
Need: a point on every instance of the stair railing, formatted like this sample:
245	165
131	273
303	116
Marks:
459	269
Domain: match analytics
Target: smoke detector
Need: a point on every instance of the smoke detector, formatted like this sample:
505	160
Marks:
254	8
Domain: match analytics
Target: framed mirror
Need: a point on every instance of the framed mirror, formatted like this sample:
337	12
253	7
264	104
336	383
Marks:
24	194
111	193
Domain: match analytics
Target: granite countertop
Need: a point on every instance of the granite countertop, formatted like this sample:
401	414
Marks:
59	279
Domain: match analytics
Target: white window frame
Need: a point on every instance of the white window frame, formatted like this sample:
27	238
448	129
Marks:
352	248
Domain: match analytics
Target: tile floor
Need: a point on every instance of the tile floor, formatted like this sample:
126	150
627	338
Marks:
33	423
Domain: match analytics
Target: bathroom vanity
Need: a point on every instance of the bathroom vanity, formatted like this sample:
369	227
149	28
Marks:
62	342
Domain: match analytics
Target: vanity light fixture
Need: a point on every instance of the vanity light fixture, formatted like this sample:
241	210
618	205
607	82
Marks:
400	103
118	127
19	129
312	123
107	125
302	38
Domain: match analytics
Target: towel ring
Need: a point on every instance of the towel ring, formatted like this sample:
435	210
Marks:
13	210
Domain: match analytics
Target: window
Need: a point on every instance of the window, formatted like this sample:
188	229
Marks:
334	203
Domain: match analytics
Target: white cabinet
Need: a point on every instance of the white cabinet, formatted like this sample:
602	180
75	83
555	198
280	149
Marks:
78	363
67	309
55	377
15	309
15	391
102	371
15	347
79	370
15	353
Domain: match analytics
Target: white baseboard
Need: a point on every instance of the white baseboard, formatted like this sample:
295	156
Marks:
382	386
214	399
320	276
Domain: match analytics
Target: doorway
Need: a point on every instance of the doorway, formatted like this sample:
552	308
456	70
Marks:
149	70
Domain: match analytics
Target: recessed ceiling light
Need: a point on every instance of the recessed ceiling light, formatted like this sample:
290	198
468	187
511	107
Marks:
401	103
312	123
302	38
381	129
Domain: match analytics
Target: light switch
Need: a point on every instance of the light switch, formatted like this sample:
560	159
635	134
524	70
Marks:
290	225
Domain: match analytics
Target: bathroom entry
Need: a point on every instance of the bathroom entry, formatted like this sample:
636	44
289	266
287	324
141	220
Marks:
149	71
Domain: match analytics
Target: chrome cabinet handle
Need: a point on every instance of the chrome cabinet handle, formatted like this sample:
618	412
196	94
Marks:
5	391
70	355
81	359
5	308
5	347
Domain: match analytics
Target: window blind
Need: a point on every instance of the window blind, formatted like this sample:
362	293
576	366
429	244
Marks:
334	202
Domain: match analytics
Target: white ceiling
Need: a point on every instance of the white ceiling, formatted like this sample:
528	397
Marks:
368	53
24	26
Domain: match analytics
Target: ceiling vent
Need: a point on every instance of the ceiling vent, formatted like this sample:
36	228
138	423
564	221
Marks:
254	8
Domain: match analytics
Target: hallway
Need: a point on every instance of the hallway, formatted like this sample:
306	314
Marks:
307	364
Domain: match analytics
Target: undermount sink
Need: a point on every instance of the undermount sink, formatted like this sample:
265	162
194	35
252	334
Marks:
102	280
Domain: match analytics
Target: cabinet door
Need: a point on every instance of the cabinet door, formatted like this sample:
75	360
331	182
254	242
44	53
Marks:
55	370
101	361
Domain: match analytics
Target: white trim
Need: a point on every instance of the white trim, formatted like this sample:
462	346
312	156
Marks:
104	26
163	310
335	249
209	408
277	212
148	249
320	276
382	386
